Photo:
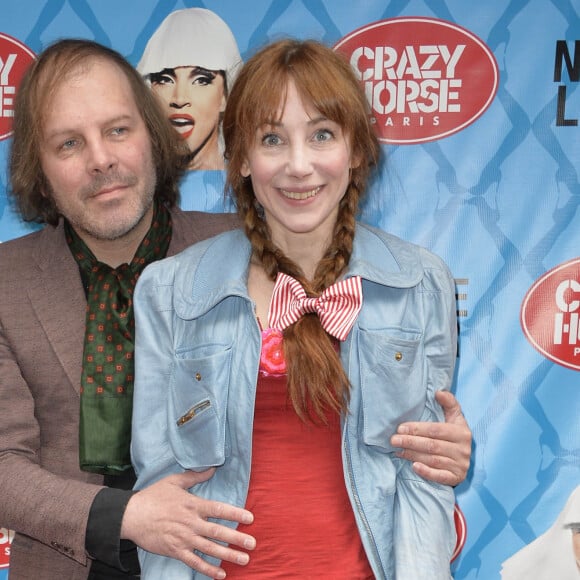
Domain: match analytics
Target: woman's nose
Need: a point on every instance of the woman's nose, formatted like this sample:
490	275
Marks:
299	162
180	96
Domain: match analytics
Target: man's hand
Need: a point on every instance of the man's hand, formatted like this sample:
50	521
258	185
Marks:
168	520
439	451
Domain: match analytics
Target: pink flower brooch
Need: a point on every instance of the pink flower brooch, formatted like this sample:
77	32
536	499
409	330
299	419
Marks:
272	360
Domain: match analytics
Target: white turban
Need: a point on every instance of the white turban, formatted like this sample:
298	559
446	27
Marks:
192	37
550	556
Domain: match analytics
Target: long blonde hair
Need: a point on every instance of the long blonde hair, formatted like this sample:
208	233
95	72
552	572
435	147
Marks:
316	380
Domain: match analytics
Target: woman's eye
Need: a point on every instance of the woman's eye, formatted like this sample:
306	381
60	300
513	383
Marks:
159	79
271	139
119	131
323	135
203	80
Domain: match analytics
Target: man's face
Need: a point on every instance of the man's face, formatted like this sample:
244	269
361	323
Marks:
96	154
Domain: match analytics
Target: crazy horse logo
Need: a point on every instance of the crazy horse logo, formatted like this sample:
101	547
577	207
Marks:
550	314
424	78
15	58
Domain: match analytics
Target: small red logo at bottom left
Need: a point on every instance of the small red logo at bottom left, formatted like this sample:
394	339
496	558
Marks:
6	537
461	530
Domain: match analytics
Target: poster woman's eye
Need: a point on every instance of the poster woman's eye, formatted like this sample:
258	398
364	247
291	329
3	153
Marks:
203	79
161	79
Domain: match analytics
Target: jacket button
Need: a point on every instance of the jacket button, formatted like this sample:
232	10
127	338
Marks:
398	356
198	376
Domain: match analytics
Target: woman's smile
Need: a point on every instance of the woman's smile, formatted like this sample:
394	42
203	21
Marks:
300	195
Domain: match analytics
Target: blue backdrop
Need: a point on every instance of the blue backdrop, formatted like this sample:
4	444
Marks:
498	200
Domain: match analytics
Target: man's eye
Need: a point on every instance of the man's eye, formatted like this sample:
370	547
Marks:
68	144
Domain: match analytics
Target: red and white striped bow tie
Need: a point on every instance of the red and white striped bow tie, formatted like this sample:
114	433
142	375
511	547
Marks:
337	307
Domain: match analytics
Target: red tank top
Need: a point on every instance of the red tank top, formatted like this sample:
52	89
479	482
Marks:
303	520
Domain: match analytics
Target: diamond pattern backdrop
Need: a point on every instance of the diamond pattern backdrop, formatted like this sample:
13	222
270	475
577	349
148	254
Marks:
498	201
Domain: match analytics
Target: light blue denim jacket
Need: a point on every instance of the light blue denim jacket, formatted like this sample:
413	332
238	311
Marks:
197	354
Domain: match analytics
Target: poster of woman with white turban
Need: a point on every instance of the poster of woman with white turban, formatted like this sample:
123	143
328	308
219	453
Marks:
554	554
478	108
190	63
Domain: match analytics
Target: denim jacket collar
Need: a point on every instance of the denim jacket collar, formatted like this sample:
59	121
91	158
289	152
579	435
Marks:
228	257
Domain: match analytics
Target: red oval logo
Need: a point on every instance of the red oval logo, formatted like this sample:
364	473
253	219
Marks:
6	537
425	78
15	58
550	314
460	530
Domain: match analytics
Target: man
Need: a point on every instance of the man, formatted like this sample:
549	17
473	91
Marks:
94	158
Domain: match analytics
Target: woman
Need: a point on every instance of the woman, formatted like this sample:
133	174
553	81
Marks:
190	62
554	554
294	399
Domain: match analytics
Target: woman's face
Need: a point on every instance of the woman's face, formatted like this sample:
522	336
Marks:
193	99
300	168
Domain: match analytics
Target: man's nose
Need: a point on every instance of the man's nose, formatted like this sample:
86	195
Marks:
101	156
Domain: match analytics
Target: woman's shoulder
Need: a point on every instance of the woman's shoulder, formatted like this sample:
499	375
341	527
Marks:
216	251
195	279
390	260
210	254
404	252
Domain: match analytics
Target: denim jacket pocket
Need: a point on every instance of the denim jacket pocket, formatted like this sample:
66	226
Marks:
197	409
392	383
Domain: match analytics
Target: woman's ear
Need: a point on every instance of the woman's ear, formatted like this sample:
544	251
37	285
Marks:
245	169
355	161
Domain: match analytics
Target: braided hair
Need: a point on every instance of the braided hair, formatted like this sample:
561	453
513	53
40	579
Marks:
317	381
